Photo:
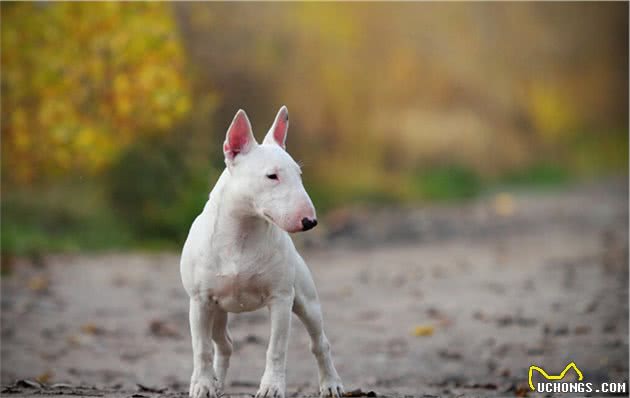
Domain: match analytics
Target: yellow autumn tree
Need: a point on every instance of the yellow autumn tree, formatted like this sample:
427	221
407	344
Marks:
81	81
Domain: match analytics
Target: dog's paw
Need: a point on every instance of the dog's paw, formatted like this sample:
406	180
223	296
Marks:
274	389
331	387
204	387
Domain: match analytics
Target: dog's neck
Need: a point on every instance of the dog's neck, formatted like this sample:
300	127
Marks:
238	226
234	218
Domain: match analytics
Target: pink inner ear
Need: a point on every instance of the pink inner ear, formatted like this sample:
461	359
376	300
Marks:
280	129
238	136
279	132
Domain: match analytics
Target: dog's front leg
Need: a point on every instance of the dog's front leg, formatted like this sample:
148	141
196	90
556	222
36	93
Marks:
203	383
273	384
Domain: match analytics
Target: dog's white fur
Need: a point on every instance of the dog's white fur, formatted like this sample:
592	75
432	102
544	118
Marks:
239	257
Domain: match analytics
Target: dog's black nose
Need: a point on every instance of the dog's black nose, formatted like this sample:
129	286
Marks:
308	224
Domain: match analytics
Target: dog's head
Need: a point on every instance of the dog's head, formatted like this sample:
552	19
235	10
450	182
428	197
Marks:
264	178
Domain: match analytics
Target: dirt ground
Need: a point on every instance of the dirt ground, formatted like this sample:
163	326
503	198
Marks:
446	301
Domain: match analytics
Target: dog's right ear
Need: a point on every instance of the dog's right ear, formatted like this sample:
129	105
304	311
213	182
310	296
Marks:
278	132
239	138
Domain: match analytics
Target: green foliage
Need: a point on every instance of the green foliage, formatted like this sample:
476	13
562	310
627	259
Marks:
326	197
603	152
156	191
446	183
63	217
537	175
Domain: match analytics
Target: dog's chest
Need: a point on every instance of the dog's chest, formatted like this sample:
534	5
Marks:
238	287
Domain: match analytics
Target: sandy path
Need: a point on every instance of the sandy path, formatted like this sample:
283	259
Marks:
547	284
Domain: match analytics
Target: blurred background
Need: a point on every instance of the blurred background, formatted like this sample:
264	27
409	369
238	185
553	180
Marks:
468	161
113	114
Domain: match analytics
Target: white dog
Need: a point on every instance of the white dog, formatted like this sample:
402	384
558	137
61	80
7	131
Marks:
239	257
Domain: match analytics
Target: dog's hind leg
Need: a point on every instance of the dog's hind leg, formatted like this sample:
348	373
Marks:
306	306
222	345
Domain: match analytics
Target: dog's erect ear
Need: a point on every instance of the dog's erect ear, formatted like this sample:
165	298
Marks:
278	132
239	138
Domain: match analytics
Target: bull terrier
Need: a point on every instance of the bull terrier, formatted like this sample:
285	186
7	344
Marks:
239	257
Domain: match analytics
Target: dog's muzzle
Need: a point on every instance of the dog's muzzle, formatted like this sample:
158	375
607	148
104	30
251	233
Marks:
308	224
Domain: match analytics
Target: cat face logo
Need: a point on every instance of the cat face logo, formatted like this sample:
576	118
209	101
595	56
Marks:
553	377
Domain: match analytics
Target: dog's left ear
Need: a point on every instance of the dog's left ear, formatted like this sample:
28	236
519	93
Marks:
278	132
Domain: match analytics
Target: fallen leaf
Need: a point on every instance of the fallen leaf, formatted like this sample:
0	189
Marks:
359	393
74	340
44	377
504	205
38	283
90	328
522	391
426	330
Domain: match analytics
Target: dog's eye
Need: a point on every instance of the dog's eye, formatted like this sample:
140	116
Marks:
272	176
